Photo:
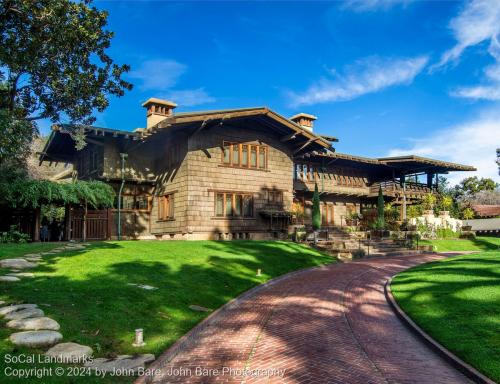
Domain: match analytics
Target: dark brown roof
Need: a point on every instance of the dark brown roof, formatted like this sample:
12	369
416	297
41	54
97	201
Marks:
486	210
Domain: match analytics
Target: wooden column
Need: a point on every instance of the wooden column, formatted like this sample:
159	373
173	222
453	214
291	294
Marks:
84	235
110	219
404	198
36	229
67	222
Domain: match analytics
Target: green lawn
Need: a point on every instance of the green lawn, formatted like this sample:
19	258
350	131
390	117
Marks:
88	293
478	244
15	250
457	301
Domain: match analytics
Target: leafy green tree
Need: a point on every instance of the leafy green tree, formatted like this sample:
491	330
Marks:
54	65
472	185
316	212
380	223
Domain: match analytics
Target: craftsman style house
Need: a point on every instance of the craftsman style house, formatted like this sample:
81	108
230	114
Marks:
229	174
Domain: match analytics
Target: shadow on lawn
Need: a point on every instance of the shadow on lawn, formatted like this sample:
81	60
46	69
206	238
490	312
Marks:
102	309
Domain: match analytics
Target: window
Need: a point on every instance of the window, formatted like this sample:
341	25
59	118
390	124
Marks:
262	157
166	207
228	204
253	156
327	214
275	197
142	202
244	155
131	202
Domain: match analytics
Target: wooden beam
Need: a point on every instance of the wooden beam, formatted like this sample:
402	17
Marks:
291	136
304	145
92	141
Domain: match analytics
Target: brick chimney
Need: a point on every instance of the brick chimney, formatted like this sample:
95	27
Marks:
157	110
304	120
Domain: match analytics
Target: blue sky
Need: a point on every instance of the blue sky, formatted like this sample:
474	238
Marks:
386	77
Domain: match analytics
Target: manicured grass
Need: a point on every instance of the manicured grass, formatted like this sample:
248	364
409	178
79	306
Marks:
478	244
457	301
10	250
88	292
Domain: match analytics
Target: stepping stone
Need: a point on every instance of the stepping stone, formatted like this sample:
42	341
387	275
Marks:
34	259
2	302
34	324
17	264
122	362
35	339
32	255
70	353
24	314
199	308
9	278
22	274
15	307
144	286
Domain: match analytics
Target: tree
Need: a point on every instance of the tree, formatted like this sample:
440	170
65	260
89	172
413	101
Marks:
472	185
316	212
428	201
54	65
380	224
498	160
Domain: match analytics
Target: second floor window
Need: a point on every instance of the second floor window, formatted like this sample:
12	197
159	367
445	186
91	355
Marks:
166	207
244	155
229	204
134	202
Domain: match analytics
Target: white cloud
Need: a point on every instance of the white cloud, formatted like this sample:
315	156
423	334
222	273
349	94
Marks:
162	75
190	97
471	143
158	74
478	21
373	5
478	92
368	75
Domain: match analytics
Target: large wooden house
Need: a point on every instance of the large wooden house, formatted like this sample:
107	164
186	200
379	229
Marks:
230	174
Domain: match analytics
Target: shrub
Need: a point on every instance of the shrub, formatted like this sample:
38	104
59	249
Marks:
14	236
446	233
358	253
429	201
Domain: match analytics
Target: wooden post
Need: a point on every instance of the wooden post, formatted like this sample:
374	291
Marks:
67	222
110	218
36	230
84	235
404	197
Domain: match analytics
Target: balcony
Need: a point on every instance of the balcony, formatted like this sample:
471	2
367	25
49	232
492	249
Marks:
394	189
353	188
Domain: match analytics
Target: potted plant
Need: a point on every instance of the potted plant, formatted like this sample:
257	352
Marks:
445	205
428	203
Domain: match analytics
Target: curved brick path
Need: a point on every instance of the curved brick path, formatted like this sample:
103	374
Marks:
329	325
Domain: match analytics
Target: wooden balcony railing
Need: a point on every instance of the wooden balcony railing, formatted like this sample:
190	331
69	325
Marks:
392	188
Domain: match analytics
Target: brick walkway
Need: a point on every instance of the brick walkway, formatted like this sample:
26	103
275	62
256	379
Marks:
329	325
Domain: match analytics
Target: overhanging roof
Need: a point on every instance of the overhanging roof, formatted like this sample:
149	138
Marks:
385	166
262	115
416	163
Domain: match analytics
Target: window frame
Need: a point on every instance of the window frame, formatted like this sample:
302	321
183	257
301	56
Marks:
166	207
233	197
237	148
